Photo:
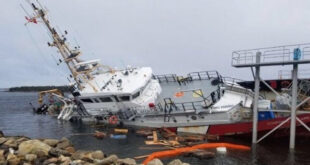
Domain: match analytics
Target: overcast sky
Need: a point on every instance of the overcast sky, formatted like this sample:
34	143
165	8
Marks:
171	36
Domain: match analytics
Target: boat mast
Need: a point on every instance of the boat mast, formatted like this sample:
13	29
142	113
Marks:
70	56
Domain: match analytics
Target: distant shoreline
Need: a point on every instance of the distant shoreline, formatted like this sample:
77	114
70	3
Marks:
37	88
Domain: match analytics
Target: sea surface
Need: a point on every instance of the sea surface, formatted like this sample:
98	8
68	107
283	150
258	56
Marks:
17	118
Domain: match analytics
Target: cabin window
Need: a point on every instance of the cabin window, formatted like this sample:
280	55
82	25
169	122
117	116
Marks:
96	100
116	99
124	98
136	95
106	99
87	100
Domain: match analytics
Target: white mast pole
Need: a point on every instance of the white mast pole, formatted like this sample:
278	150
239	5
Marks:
59	43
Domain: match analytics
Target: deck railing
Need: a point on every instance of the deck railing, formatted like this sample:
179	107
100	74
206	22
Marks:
287	74
166	78
203	75
170	106
232	84
278	54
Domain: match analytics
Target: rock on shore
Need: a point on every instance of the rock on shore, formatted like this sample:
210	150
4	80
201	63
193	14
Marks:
21	150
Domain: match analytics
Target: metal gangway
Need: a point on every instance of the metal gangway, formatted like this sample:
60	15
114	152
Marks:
294	55
271	56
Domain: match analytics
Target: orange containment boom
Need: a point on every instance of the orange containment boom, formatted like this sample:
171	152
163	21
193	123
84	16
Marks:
180	151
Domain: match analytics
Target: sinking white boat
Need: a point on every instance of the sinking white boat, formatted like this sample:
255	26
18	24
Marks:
134	96
99	89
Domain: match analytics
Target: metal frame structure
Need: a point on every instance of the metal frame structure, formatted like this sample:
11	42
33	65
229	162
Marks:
287	74
275	56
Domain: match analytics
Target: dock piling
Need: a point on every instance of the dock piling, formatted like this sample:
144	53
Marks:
275	56
293	108
256	95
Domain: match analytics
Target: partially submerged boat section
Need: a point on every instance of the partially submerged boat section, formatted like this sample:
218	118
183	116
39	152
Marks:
199	99
134	96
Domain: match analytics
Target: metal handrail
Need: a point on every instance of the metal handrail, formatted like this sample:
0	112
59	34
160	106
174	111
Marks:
193	105
233	85
229	83
270	54
166	78
287	74
231	80
204	75
241	90
184	106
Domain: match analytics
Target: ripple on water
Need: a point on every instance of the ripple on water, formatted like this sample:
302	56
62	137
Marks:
16	118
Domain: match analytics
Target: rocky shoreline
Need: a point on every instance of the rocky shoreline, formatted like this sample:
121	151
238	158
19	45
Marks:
20	150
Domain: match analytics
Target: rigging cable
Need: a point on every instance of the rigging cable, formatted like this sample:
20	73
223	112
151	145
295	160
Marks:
75	32
40	50
36	45
60	71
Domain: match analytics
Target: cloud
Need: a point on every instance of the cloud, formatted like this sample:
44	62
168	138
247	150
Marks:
171	36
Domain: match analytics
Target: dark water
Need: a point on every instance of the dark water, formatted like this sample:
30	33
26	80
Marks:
16	118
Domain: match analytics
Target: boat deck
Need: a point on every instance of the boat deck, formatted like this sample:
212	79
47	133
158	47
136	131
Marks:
190	91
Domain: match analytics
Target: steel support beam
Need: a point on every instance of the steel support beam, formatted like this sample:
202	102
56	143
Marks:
303	102
294	56
303	124
303	112
274	129
268	86
274	110
293	107
298	112
256	96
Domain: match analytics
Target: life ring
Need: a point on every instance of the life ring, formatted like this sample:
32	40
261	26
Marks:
113	120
